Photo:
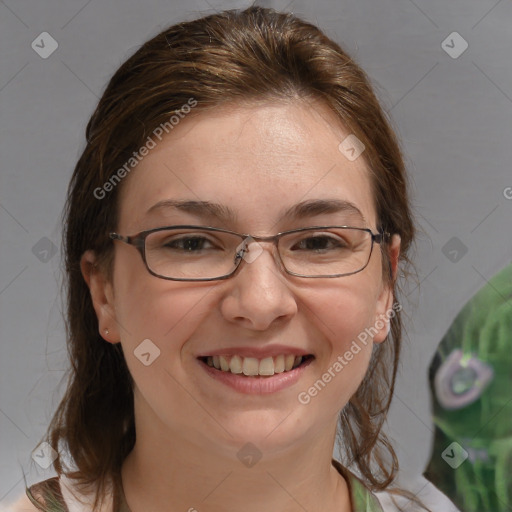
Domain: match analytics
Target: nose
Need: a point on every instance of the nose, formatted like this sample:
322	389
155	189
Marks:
260	293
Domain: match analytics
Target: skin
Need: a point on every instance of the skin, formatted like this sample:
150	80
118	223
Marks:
258	160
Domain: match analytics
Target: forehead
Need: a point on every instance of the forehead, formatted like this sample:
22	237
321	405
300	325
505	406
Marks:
256	161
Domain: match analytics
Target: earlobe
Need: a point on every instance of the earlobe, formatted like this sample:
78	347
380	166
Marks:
102	297
385	307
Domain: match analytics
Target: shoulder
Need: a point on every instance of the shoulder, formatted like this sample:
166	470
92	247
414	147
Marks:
366	501
45	495
363	500
428	493
57	494
22	505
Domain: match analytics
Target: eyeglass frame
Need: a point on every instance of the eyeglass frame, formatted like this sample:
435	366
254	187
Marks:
139	242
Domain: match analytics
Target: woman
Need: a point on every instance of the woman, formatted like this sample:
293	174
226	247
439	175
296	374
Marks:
210	368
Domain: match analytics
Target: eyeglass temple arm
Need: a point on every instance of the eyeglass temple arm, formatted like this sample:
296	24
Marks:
130	240
136	241
382	236
117	236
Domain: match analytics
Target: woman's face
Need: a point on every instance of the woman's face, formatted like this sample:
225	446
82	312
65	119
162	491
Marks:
257	162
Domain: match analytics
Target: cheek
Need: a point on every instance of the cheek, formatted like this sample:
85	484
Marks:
343	313
160	312
158	319
149	308
344	318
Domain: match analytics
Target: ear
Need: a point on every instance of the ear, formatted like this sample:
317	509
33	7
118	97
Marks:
102	295
385	310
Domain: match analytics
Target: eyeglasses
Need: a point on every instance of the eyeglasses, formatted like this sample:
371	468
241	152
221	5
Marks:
199	253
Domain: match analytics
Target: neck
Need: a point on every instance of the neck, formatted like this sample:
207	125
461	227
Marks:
174	472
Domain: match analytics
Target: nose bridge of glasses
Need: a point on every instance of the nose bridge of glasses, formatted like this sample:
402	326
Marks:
252	247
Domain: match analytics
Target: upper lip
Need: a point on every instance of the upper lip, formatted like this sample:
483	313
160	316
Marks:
258	353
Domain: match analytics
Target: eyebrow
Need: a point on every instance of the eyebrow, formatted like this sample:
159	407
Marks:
302	210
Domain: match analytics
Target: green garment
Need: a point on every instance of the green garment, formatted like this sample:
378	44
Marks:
46	495
471	382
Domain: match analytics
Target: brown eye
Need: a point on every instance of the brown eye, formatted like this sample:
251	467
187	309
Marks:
187	244
320	243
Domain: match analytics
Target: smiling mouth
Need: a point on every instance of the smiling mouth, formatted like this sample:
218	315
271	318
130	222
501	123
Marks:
253	367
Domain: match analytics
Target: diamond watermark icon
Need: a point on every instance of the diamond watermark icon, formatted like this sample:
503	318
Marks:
454	45
249	250
454	249
44	45
351	147
454	455
44	455
249	455
146	352
44	249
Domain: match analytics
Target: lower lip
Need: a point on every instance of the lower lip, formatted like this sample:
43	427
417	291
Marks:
257	385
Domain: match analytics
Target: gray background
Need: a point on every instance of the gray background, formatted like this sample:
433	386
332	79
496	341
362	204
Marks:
453	116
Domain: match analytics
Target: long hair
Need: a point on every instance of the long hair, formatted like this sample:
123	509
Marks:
230	57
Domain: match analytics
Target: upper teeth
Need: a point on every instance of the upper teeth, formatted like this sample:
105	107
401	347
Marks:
253	366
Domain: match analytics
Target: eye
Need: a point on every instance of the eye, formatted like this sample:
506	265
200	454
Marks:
320	242
187	243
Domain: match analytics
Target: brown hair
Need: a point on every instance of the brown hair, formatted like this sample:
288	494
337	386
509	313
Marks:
229	57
